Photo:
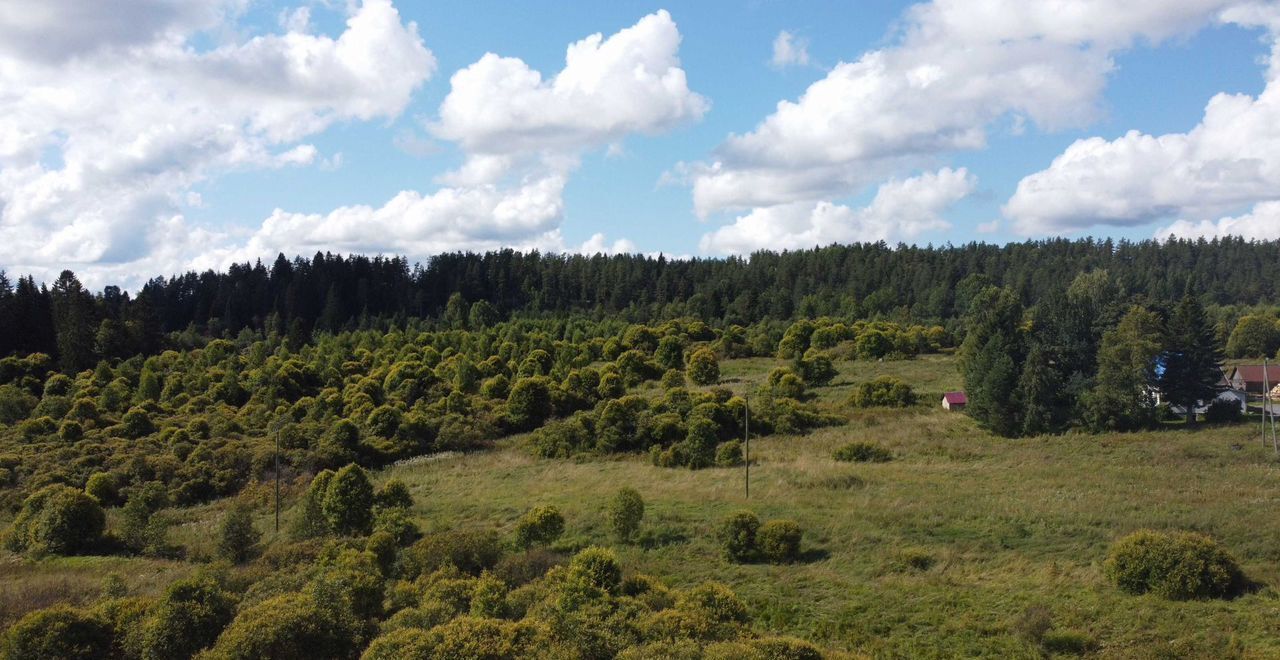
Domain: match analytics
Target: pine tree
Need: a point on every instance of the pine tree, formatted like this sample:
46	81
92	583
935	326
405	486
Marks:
73	319
1192	358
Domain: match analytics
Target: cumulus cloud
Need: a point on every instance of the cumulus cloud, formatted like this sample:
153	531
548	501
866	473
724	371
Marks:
1261	224
901	210
1228	161
522	137
957	67
107	120
789	50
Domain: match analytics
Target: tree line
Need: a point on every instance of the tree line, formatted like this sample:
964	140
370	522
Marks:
870	280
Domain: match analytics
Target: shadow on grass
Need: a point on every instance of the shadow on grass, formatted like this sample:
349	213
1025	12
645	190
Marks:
659	538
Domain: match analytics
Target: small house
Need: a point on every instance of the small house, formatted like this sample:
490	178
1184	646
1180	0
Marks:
954	401
1254	378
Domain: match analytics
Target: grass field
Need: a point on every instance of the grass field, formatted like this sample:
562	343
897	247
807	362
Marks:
938	553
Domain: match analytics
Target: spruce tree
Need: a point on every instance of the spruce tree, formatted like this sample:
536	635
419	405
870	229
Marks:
1192	358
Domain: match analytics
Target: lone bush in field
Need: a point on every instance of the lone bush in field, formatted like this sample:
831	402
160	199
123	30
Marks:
626	510
779	541
729	454
348	501
56	520
885	391
1173	565
863	452
738	536
703	367
541	525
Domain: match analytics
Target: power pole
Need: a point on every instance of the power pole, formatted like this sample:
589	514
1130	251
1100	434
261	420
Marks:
1265	398
277	482
746	437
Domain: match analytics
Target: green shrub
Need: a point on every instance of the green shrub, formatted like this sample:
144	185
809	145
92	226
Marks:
189	618
287	627
672	379
394	495
729	454
348	501
71	431
126	616
309	521
101	486
785	648
136	423
59	632
529	403
863	452
1173	565
236	535
779	541
541	525
399	644
817	368
626	511
738	536
56	520
489	597
1220	412
703	367
596	568
716	601
469	551
885	391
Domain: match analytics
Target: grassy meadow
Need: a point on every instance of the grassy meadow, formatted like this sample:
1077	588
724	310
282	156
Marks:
956	548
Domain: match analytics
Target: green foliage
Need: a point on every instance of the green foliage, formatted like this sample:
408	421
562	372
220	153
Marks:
738	536
1122	399
863	452
394	494
670	353
596	568
309	520
1173	565
348	502
189	618
469	551
236	535
779	541
729	454
101	486
1192	358
529	403
1223	412
136	423
288	627
817	369
884	391
704	368
56	520
60	632
626	512
541	525
1254	337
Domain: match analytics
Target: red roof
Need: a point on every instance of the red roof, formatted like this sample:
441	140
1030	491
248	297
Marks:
954	398
1252	373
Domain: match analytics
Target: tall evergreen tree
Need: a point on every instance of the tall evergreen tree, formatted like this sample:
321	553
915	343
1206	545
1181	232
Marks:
990	357
1122	398
73	322
1192	358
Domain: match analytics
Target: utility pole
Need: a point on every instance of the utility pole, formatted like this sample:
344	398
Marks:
746	437
1265	394
277	482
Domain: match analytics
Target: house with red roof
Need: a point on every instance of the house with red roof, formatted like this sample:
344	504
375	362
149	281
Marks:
1254	378
954	401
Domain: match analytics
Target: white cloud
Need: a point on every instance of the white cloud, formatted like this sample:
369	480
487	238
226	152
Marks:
523	137
108	120
789	50
901	210
957	67
628	83
1228	161
1261	224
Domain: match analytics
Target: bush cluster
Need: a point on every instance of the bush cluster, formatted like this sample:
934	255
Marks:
884	391
863	452
744	539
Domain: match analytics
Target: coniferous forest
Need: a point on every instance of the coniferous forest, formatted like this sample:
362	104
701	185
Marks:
529	455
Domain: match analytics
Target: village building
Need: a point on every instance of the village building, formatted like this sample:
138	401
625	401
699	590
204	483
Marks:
954	401
1254	378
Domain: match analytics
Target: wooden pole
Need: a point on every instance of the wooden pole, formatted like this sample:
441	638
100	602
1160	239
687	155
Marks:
1264	400
746	436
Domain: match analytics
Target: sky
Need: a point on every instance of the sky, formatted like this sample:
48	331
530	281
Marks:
150	137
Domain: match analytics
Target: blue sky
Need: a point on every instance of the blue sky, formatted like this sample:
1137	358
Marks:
174	135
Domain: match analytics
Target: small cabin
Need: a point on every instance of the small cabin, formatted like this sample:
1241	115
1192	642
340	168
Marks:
954	401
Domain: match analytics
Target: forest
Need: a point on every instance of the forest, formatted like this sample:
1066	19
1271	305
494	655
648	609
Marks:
524	455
